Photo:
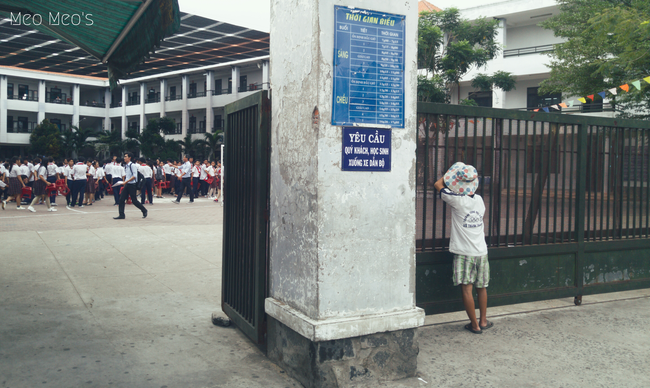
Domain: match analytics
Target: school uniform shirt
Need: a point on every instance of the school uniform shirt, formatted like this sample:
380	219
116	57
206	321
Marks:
108	169
34	172
91	171
79	171
41	171
210	171
196	171
186	170
118	172
25	170
3	170
59	170
15	171
204	174
99	173
51	169
146	171
67	172
167	168
467	231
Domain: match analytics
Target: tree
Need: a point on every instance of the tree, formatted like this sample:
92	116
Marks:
68	139
81	145
45	140
607	46
132	141
110	142
449	47
193	148
213	141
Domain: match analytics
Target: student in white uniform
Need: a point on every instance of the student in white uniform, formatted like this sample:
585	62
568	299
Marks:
147	172
52	177
40	185
16	184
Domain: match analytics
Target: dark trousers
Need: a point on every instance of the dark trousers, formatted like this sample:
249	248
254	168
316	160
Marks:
185	183
168	178
78	190
129	191
195	186
116	190
52	179
204	188
100	189
147	189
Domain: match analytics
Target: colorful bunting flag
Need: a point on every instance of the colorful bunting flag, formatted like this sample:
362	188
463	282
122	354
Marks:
563	105
625	87
571	103
582	100
555	107
546	110
637	84
591	97
602	94
647	79
613	91
536	110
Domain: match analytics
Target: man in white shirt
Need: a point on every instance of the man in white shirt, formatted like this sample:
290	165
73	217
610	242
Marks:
167	168
147	189
186	176
118	174
79	182
129	189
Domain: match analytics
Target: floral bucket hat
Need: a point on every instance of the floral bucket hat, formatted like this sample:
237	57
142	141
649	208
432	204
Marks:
461	178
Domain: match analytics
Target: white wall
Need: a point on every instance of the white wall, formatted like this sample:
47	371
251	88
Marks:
529	36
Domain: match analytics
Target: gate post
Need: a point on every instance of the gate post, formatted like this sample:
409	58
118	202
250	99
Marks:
341	306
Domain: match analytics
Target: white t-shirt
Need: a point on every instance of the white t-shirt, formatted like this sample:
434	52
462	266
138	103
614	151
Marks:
3	170
196	171
118	172
145	170
99	174
167	168
467	231
79	171
108	169
25	170
204	174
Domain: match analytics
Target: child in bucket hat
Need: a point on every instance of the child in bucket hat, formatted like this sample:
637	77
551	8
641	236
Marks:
458	188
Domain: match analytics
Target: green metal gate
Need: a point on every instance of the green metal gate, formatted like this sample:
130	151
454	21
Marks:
567	203
245	231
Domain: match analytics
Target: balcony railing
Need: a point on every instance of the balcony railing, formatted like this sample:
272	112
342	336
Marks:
31	96
152	100
116	105
21	127
528	50
179	129
133	102
95	104
219	92
58	98
174	98
195	95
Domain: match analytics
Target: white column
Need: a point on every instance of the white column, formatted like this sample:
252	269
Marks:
75	105
3	109
265	75
143	117
209	116
235	81
107	109
125	92
163	95
40	116
185	116
498	95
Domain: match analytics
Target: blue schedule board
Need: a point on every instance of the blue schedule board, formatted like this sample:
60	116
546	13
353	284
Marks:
366	149
368	68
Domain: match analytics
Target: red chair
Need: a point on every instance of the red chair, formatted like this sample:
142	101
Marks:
26	191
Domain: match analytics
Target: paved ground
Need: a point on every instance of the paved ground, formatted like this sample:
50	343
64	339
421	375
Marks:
90	301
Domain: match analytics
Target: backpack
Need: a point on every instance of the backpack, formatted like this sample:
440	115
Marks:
139	185
159	174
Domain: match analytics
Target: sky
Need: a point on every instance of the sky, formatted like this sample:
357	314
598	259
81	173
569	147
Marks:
256	14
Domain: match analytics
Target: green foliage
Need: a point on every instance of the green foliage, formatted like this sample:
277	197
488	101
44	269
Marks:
110	142
45	140
501	79
431	89
607	46
213	142
449	47
468	102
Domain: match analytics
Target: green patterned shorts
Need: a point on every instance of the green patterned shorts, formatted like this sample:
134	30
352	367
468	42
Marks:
471	269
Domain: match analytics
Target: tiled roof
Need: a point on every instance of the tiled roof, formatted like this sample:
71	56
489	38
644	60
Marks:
424	5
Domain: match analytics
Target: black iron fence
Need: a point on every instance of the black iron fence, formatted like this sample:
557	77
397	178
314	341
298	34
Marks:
544	178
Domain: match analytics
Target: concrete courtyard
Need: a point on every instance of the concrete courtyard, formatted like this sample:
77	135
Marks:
88	301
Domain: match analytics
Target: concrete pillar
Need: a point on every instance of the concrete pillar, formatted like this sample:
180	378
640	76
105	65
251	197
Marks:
143	117
163	96
75	105
185	89
40	116
3	109
125	93
235	81
342	243
209	116
107	107
498	95
265	75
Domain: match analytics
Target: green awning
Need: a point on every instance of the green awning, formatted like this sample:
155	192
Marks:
120	33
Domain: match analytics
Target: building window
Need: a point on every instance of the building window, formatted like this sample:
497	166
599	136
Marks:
192	90
218	88
172	93
10	91
10	123
218	123
229	85
23	91
535	100
482	98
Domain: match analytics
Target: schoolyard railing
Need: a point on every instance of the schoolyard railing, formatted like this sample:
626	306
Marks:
567	203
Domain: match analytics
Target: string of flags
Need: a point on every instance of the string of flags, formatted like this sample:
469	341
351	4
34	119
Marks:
613	91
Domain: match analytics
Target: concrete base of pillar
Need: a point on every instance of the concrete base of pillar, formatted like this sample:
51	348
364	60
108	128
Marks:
343	362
